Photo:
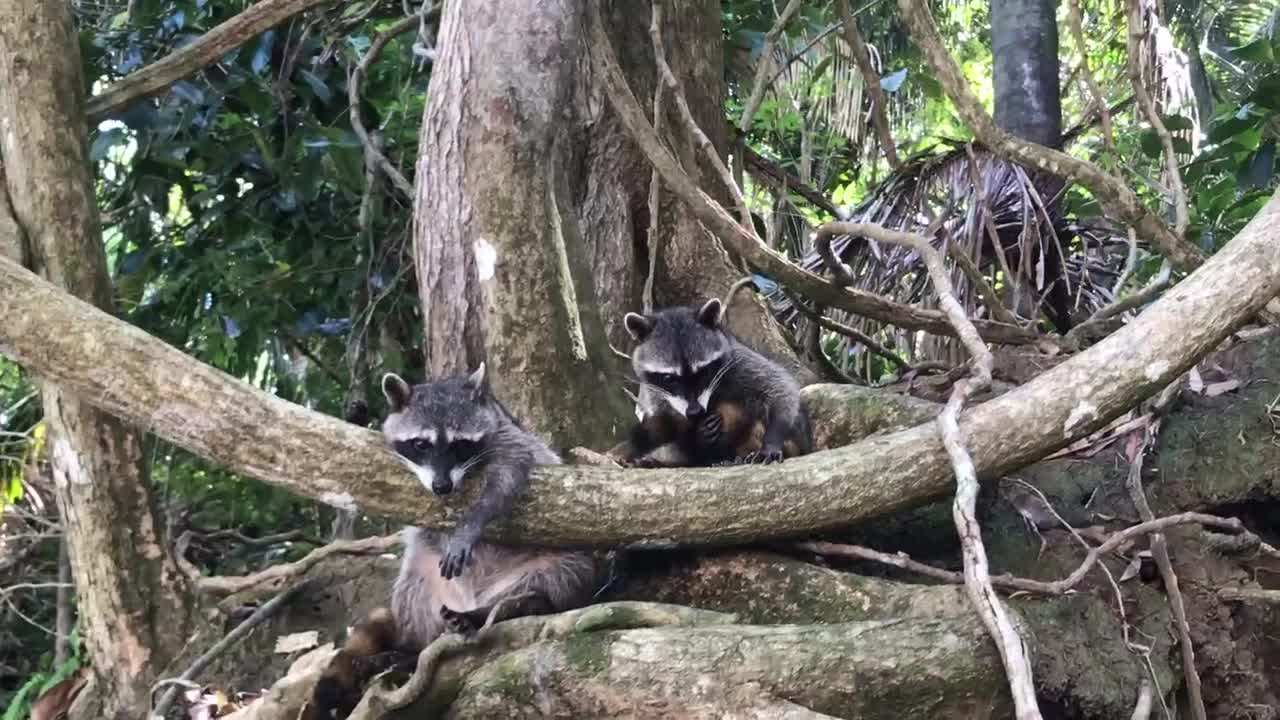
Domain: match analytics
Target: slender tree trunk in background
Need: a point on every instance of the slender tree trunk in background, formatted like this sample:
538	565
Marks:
135	607
532	207
1028	104
1024	47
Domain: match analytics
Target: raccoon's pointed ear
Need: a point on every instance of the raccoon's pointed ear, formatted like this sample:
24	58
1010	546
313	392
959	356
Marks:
476	383
396	390
709	314
638	326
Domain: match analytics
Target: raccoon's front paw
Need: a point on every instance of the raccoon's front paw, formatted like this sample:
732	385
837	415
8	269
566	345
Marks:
456	622
710	428
456	556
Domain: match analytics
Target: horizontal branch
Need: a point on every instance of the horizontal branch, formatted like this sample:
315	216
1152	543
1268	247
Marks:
123	370
203	52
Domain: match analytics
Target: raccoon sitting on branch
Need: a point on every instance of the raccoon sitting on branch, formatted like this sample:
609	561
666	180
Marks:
706	398
448	432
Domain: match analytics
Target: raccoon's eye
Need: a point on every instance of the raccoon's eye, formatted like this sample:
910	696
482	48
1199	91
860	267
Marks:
464	449
420	445
662	378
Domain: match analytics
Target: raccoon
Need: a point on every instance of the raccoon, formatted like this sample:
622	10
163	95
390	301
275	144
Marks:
448	432
706	398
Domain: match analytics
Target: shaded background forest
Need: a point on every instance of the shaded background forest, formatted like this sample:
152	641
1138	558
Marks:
242	225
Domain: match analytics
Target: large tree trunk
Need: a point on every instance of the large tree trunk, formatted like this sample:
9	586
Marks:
532	207
135	608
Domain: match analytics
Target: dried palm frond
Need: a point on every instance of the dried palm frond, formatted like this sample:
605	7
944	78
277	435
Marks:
1024	213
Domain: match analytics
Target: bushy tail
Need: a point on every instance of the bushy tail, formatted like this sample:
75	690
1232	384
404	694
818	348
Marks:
370	648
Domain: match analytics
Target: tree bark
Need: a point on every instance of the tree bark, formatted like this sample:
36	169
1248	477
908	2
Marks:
532	208
128	373
135	609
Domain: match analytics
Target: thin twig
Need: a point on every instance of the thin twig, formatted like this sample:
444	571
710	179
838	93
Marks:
276	575
267	609
1176	188
1099	103
1124	304
760	83
1018	584
700	139
848	331
1160	553
358	73
871	81
977	577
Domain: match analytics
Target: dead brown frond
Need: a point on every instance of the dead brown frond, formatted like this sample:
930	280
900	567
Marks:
1031	234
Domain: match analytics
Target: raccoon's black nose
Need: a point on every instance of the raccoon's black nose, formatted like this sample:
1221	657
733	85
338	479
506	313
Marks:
694	410
442	487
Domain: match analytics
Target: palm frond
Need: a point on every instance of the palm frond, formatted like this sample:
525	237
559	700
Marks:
1028	227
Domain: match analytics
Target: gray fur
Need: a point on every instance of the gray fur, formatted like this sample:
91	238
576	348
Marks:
711	365
460	571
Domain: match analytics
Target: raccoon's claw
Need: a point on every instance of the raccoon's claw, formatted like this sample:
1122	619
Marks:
763	456
456	622
456	556
643	462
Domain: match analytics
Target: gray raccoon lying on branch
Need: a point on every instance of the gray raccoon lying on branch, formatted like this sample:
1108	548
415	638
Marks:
447	432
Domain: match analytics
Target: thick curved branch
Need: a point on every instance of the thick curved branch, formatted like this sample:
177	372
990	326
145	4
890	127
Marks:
743	242
125	371
1116	198
205	51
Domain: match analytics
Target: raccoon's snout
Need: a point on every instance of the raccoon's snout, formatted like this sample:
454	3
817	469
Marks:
441	485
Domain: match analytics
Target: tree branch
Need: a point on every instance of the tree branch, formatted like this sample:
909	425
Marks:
741	239
131	374
371	148
760	83
205	51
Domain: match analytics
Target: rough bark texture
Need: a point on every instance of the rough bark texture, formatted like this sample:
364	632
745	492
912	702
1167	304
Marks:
846	670
126	372
1024	45
532	208
135	611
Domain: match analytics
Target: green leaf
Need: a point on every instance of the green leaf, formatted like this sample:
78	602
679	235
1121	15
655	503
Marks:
317	86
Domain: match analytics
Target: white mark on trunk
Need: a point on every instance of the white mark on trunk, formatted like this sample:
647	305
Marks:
486	259
67	469
1156	369
342	500
1082	413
